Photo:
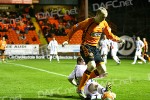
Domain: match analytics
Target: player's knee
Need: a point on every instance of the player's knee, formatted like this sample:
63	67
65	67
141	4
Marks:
91	65
101	68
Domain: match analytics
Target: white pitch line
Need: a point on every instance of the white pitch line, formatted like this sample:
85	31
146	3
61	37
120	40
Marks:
42	70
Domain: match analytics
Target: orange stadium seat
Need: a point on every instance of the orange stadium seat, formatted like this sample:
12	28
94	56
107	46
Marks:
13	37
76	39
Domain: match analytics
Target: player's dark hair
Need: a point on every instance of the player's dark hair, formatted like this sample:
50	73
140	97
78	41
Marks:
79	59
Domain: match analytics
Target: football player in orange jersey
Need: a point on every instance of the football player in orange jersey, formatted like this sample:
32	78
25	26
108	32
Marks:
145	49
2	48
92	29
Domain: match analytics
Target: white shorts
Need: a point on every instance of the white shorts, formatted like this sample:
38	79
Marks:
138	52
104	51
114	52
53	52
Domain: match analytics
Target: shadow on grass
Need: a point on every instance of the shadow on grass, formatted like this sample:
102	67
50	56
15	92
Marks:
61	96
36	99
54	97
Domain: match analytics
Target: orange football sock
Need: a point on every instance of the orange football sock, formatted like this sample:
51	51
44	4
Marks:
94	74
149	59
83	81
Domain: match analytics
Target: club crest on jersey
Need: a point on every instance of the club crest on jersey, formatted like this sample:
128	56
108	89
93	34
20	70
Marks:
95	34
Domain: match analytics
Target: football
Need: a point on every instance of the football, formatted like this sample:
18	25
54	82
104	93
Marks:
108	96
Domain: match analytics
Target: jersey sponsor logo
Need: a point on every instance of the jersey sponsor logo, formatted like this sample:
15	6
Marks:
95	34
128	47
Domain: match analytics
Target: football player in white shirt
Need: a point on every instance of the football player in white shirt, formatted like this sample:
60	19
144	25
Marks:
114	50
76	75
92	89
53	45
138	52
104	48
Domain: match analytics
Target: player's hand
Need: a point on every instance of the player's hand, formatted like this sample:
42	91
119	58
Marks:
64	43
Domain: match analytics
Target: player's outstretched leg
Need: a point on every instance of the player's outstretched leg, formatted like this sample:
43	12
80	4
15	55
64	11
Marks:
90	66
83	81
94	74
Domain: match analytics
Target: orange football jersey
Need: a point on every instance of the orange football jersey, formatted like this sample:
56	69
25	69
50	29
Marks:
145	46
92	31
2	45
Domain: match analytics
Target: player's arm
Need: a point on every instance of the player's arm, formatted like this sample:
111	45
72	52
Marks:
49	46
110	35
75	28
142	45
72	81
108	46
100	45
71	78
146	46
57	45
0	43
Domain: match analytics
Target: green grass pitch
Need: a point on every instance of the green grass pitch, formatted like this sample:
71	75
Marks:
42	80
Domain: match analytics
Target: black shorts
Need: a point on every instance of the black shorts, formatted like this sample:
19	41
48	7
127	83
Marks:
90	53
